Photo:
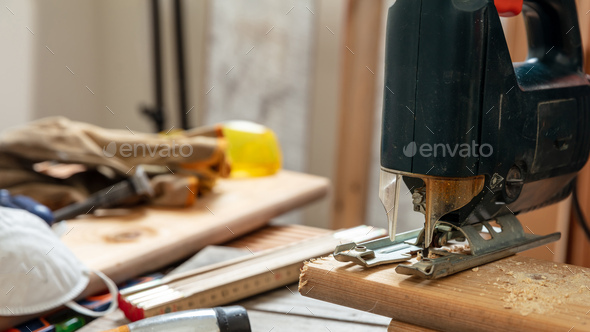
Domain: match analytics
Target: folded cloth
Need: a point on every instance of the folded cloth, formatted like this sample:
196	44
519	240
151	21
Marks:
29	156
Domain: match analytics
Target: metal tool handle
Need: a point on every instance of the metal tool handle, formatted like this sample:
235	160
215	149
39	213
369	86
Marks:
553	33
103	198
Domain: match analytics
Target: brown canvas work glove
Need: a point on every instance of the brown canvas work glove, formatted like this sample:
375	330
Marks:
58	162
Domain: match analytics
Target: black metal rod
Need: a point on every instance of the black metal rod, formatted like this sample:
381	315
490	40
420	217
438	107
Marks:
180	65
156	113
157	56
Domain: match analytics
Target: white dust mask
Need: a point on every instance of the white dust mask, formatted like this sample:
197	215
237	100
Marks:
37	271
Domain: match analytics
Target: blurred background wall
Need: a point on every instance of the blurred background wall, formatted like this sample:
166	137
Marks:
311	70
270	62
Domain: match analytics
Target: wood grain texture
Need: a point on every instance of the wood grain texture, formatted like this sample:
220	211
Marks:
516	38
397	326
546	220
150	238
514	294
274	236
579	246
359	62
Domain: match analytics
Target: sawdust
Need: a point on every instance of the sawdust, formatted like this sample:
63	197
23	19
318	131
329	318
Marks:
541	290
432	255
302	273
458	248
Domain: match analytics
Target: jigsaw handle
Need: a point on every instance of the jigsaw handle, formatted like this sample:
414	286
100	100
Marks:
553	33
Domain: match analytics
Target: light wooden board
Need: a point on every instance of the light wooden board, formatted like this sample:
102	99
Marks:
127	246
514	294
578	244
284	310
362	37
274	236
150	238
397	326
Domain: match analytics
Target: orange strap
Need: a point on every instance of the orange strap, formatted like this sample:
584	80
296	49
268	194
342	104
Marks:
124	328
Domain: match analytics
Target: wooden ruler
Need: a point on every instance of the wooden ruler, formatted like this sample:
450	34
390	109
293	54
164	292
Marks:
230	292
233	280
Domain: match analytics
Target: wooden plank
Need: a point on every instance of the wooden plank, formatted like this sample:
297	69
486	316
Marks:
359	62
274	236
514	294
583	8
578	245
150	238
323	108
396	326
546	220
516	38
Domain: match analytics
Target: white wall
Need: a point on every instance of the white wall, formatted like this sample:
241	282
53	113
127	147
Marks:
259	64
16	72
66	37
83	56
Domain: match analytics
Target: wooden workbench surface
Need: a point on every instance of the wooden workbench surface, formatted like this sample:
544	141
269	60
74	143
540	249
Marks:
150	238
284	310
514	294
146	239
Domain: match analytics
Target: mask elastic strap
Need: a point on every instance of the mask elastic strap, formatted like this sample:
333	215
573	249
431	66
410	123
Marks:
113	290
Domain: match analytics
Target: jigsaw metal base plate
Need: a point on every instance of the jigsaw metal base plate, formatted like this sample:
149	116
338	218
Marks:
485	243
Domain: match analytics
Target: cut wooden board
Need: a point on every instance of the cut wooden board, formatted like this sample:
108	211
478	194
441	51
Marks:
151	238
397	326
514	294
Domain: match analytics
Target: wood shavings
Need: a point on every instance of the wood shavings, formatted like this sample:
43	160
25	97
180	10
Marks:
458	249
530	289
302	284
432	255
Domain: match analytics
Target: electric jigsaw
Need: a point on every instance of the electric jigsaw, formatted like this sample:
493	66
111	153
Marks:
476	138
